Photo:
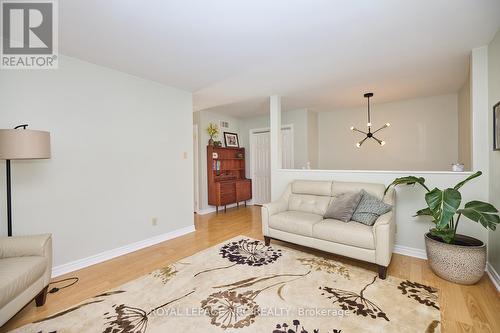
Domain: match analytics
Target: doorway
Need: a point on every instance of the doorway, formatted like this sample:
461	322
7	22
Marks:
196	186
260	160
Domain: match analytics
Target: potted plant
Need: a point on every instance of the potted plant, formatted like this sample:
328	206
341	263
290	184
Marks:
454	257
213	132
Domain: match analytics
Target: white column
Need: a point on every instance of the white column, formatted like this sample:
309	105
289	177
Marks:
480	110
275	126
481	140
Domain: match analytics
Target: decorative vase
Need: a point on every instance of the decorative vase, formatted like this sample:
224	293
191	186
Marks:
463	262
210	142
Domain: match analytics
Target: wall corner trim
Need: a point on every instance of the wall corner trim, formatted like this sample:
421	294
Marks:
410	251
119	251
494	276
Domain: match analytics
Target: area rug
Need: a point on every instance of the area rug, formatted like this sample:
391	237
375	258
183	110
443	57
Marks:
243	286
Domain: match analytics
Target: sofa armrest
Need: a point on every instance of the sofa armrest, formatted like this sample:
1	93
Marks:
23	246
384	231
269	210
274	208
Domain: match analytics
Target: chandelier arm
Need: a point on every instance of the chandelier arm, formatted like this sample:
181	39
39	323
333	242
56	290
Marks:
362	141
360	131
381	128
379	141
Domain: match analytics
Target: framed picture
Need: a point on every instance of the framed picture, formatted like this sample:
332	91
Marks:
231	140
496	126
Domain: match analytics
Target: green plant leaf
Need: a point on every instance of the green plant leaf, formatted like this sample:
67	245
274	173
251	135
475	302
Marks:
443	205
446	234
409	180
462	183
424	212
481	212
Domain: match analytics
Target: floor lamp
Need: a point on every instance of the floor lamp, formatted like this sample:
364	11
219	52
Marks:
21	144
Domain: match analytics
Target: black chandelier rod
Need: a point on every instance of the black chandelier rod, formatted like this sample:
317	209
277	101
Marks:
368	95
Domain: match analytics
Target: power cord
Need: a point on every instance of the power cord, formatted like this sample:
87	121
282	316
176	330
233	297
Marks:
56	289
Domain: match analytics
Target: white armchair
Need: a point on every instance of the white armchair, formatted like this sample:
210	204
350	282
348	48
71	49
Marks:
25	271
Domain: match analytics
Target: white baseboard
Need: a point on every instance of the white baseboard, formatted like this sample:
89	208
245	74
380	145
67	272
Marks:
494	276
410	251
211	209
110	254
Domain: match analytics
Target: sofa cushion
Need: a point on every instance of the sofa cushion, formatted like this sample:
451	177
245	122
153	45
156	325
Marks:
369	209
374	189
350	233
295	222
314	204
17	274
313	187
343	206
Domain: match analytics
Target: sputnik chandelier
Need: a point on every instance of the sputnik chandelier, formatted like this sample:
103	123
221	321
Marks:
369	134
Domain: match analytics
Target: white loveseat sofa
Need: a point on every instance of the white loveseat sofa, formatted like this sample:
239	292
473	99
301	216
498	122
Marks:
297	217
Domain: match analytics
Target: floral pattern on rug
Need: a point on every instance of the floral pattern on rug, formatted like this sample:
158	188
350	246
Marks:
419	292
296	327
246	252
357	303
325	265
168	272
229	309
274	289
129	319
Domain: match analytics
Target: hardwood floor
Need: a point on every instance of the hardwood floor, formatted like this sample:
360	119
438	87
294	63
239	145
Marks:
463	308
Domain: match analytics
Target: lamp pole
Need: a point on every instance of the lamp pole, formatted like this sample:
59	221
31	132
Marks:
9	200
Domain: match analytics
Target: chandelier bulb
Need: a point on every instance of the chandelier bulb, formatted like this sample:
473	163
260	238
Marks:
388	124
369	124
352	128
358	144
382	143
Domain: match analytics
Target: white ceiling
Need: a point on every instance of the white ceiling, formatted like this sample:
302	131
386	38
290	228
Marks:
321	54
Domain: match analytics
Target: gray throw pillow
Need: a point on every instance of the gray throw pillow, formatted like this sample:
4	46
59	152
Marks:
369	209
343	206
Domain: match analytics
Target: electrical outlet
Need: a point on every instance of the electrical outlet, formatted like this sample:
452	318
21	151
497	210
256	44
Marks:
154	221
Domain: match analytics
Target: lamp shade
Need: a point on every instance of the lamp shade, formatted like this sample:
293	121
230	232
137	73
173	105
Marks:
20	144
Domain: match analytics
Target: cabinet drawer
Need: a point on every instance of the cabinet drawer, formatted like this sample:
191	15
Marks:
227	198
227	188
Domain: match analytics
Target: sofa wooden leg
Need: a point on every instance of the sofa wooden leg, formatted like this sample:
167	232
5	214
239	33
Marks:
41	297
382	272
267	240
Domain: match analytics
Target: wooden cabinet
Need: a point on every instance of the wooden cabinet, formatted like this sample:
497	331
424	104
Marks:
243	190
226	177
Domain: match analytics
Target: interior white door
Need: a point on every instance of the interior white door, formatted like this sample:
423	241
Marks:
260	159
261	167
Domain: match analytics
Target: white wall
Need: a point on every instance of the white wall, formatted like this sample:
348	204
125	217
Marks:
423	136
410	230
298	118
313	139
118	145
494	97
